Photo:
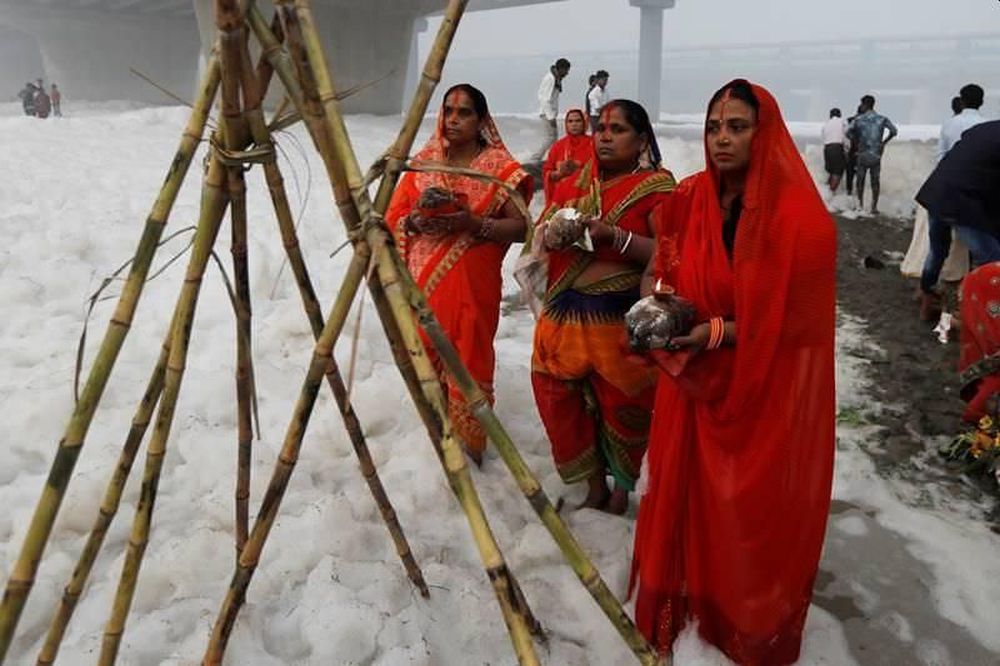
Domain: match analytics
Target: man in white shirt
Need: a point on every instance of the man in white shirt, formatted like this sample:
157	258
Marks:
597	97
951	130
548	105
835	146
940	234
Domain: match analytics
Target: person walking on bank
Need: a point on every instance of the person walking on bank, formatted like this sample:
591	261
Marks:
56	98
939	232
869	128
835	147
548	105
597	97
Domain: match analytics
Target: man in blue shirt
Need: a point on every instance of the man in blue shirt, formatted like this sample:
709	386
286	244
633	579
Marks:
868	129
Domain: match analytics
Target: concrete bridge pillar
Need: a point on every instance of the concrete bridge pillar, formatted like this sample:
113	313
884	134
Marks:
365	41
89	53
651	52
413	63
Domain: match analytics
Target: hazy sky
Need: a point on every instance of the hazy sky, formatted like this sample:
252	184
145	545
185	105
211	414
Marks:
578	25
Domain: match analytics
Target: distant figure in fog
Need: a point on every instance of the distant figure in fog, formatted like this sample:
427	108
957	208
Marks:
591	82
43	105
869	128
27	96
597	97
835	147
56	98
548	104
852	154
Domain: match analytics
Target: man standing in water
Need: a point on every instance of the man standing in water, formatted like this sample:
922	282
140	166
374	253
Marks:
548	101
869	129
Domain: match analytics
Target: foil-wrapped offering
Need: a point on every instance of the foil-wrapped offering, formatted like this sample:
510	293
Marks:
438	201
654	320
568	227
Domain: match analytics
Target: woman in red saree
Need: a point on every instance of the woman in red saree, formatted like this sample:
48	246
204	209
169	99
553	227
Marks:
595	404
456	257
570	158
979	359
740	460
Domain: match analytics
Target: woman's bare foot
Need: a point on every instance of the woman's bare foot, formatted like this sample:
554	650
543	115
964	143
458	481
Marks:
597	493
617	501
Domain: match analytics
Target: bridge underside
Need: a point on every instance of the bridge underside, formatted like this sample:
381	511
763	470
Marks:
88	46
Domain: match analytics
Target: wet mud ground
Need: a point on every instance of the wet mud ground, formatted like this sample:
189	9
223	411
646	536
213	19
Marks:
869	578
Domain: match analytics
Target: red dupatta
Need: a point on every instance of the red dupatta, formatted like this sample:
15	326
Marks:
740	458
579	148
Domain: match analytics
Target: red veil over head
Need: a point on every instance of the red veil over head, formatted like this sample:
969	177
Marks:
740	457
579	148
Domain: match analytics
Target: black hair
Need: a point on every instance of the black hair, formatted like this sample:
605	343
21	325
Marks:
475	94
601	74
562	63
956	105
868	101
636	116
591	80
972	96
835	112
741	90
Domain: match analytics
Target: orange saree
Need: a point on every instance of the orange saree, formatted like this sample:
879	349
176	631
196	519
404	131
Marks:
460	274
740	458
594	402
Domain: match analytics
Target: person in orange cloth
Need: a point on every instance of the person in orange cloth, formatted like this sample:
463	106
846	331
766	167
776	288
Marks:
455	254
594	403
570	158
739	468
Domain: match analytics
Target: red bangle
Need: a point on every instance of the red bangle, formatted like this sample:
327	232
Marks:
717	332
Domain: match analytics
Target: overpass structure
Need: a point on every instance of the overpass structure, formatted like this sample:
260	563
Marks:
88	46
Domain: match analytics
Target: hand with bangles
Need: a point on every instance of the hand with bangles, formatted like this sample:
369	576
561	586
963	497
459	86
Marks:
440	224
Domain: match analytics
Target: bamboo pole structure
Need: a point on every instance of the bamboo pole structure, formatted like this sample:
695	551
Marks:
287	459
517	615
213	209
386	255
232	38
22	576
282	63
525	478
310	303
108	509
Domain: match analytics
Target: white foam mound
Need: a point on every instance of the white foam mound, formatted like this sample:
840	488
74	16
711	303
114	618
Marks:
329	589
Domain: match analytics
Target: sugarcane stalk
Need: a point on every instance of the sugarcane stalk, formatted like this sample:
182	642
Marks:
213	209
22	576
286	226
287	459
108	509
311	111
516	613
479	404
232	39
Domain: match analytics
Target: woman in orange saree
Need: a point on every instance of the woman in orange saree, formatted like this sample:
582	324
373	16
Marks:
740	460
594	403
570	158
456	256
